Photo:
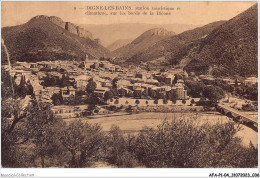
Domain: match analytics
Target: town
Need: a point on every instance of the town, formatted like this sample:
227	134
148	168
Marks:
97	86
83	86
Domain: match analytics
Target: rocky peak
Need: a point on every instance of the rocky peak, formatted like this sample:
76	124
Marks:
160	32
72	28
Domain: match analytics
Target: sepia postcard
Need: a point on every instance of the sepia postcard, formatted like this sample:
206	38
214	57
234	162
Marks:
129	84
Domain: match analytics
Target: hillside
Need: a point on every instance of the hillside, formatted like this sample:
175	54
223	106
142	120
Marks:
118	44
230	49
49	38
141	43
109	33
170	47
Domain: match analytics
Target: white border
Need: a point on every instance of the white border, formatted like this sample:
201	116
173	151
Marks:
131	172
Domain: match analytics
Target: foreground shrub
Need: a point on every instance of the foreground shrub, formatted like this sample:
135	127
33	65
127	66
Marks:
118	149
181	143
83	141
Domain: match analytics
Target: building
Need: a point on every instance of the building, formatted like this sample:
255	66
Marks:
112	69
100	92
68	92
251	81
123	83
33	65
181	93
136	86
90	62
106	84
139	75
169	79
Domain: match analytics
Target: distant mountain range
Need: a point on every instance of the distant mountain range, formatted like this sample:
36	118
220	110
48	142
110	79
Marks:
49	38
219	48
157	46
231	49
141	43
109	33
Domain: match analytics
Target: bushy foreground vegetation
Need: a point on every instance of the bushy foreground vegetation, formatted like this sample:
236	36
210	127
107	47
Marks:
34	138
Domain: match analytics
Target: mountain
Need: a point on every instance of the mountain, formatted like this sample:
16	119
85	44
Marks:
109	33
166	49
231	49
49	38
118	44
141	43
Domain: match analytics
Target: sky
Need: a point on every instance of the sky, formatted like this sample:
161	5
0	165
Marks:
195	13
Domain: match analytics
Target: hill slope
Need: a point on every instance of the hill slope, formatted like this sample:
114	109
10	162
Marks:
118	44
141	43
171	46
230	49
109	33
49	38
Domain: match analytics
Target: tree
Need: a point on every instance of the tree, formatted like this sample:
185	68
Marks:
137	102
169	95
83	141
165	101
213	93
137	93
57	99
116	101
176	78
114	82
153	94
64	81
42	127
155	101
22	88
184	101
122	92
108	95
29	88
145	93
92	102
130	94
192	101
174	96
12	131
8	87
195	88
33	124
161	96
114	91
91	86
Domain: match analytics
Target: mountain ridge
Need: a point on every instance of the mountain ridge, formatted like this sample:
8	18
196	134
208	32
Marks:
118	44
233	45
171	45
41	39
142	42
109	33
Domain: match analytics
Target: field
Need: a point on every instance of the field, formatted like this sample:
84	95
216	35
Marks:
132	123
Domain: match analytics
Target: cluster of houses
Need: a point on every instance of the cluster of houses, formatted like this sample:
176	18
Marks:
134	81
208	79
102	72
